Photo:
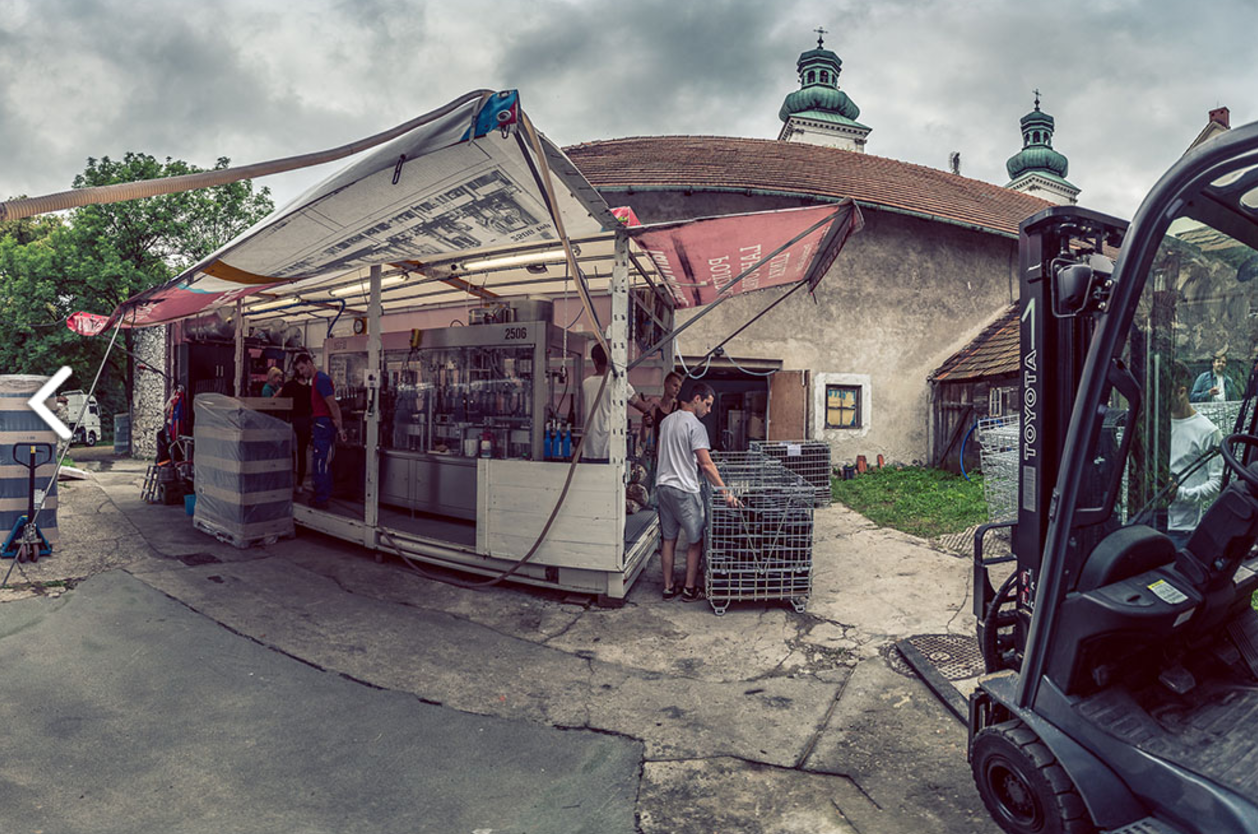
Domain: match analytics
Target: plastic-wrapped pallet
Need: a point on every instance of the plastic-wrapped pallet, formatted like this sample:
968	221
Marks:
761	549
810	459
244	472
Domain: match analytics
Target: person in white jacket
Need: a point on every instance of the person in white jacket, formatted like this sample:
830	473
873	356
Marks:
1192	437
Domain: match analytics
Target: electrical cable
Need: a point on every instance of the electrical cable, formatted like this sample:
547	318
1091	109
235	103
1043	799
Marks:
541	537
682	362
991	644
733	362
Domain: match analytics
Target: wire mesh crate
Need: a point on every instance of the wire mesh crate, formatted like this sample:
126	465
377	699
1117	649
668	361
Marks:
998	458
761	549
810	459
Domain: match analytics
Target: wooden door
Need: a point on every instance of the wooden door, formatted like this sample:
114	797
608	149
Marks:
788	405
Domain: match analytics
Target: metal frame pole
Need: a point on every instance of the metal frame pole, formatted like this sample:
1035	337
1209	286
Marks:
375	374
240	388
618	388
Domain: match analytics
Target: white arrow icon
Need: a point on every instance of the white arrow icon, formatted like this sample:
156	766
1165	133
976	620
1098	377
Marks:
37	402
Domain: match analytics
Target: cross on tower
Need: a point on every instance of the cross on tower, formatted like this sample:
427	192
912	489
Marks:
1037	98
821	33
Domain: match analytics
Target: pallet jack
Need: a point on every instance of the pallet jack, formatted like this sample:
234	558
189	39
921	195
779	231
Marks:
1122	648
26	542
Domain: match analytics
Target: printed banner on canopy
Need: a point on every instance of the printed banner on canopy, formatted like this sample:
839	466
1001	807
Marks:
700	260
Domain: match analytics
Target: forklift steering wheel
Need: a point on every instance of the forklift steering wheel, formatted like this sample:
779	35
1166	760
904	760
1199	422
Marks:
1242	471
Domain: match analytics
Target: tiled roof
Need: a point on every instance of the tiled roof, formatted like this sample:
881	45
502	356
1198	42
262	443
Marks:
799	168
994	352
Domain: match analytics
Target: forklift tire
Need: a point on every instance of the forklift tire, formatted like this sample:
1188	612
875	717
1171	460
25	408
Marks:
91	438
1023	786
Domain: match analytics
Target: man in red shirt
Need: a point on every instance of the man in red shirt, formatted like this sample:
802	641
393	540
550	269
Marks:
326	426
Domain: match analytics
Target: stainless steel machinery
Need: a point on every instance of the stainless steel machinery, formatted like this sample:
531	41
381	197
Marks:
466	392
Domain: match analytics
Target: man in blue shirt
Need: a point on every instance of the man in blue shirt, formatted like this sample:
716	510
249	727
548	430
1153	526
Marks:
326	426
1214	384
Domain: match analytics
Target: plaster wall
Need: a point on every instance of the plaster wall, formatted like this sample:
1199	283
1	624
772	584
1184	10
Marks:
904	295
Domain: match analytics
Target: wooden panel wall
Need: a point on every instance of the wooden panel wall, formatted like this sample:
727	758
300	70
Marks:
515	497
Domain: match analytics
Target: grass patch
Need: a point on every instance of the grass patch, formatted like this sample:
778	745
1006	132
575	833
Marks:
916	500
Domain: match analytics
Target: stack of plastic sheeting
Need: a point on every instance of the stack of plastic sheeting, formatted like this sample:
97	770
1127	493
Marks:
244	472
18	424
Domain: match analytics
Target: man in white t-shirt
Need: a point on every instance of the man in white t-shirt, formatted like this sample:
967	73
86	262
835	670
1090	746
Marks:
1192	438
598	420
683	454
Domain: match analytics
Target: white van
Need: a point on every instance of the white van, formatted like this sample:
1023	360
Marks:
75	403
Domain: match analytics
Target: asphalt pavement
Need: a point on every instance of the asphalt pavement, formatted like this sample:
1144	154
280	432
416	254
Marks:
125	711
159	680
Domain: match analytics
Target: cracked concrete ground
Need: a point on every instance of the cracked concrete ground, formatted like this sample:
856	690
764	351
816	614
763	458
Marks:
763	720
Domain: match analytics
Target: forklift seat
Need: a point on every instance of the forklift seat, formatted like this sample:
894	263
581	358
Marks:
1125	553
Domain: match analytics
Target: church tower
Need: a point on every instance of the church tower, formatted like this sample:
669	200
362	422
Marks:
819	112
1037	169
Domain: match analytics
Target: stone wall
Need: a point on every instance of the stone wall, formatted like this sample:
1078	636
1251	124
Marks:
902	297
148	392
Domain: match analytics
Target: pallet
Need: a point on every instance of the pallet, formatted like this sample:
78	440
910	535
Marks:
237	542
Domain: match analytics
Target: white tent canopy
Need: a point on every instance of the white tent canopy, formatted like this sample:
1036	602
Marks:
460	208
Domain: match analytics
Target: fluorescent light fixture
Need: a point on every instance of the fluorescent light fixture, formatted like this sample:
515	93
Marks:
365	287
556	255
272	305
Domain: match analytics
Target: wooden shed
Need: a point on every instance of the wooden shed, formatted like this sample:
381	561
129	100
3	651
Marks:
980	380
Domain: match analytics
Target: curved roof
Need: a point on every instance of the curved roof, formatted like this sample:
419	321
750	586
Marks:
766	166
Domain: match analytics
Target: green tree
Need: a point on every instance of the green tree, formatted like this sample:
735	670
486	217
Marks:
101	255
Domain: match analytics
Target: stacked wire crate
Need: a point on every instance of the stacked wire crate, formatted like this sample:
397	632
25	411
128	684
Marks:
998	458
810	459
760	549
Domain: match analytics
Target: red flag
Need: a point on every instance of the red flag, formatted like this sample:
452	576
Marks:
87	324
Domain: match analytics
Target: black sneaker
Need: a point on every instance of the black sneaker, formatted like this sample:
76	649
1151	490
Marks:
691	594
671	593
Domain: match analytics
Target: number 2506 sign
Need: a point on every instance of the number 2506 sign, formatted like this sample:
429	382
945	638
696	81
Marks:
514	333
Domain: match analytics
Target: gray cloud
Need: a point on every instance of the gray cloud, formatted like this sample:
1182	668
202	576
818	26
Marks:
1129	83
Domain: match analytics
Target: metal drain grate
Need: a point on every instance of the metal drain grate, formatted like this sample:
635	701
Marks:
896	661
955	656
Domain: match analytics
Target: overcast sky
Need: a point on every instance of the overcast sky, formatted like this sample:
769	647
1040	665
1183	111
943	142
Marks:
1130	84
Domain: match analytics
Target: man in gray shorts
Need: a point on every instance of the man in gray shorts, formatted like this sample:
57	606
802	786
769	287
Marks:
683	454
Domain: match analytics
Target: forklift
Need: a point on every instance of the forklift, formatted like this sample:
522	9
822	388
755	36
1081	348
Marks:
1121	649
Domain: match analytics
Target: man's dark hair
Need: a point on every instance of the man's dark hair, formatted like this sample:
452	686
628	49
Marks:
303	357
598	355
697	389
674	375
1181	377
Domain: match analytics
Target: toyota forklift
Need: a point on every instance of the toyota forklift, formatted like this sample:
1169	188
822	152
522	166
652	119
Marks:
1121	692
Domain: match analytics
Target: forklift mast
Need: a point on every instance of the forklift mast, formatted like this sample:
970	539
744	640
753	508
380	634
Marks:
1053	349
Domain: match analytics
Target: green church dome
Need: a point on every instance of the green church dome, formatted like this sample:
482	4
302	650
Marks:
1037	154
819	87
819	97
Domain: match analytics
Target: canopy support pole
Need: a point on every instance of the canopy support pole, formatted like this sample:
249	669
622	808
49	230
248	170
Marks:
241	388
619	358
375	372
